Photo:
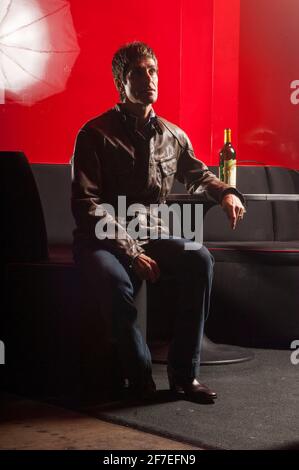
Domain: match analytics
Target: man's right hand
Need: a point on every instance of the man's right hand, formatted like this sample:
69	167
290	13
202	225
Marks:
146	268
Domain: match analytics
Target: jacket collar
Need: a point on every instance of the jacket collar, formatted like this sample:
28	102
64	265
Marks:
131	119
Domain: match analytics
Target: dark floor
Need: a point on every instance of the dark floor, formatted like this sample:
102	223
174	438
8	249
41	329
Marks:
31	425
257	408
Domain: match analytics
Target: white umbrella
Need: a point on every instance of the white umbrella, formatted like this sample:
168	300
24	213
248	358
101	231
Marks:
38	48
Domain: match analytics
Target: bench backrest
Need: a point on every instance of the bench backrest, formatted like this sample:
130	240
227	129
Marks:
264	221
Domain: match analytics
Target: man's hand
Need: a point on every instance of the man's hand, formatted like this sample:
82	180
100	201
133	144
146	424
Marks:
234	208
146	268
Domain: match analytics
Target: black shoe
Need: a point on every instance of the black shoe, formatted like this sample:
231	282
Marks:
191	388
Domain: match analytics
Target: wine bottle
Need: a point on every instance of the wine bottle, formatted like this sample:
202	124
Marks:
228	161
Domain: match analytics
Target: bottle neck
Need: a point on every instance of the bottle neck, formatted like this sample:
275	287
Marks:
227	136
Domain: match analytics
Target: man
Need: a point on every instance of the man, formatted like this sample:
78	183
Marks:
130	151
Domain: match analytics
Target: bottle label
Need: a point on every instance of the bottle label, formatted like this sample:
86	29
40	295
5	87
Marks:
230	172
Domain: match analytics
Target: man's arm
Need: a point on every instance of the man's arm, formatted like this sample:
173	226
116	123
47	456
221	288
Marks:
87	200
197	178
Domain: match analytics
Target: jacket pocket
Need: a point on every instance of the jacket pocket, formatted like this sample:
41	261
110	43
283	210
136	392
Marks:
168	166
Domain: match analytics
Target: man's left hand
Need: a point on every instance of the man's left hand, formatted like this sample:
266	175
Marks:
234	208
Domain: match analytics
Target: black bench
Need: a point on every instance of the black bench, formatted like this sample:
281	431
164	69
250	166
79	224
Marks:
255	300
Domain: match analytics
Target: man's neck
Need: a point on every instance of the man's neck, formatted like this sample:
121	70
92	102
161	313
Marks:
140	111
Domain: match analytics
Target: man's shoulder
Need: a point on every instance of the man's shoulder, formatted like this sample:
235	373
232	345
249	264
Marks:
102	123
173	129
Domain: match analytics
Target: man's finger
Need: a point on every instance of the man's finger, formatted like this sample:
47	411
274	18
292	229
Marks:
143	268
155	268
233	217
241	213
148	269
152	274
143	264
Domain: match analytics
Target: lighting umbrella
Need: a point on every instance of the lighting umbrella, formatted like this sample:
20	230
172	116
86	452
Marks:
38	48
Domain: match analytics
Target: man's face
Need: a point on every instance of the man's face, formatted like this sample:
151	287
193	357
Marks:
141	82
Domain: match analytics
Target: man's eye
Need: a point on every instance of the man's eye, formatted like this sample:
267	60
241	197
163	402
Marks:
153	71
136	72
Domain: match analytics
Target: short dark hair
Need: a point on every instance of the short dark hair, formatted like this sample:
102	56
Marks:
125	56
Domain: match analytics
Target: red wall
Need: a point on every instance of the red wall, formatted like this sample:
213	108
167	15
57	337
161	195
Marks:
196	67
46	131
180	31
225	74
268	119
223	63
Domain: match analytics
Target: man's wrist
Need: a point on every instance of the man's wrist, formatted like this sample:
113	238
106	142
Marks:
234	191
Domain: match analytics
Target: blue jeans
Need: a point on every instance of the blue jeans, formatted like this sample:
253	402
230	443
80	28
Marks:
115	285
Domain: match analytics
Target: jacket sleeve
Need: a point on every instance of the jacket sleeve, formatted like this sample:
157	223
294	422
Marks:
88	206
197	178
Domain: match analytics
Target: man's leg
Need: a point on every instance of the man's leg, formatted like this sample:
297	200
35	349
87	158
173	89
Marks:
114	288
193	271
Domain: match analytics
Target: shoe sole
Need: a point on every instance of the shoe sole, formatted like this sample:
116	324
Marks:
203	395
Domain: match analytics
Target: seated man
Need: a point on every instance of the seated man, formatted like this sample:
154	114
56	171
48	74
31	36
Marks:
130	151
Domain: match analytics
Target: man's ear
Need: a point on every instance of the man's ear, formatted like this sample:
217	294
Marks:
119	84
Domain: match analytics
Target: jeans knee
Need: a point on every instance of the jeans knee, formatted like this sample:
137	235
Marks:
120	286
199	262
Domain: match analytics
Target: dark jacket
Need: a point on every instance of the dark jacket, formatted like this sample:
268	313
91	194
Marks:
112	158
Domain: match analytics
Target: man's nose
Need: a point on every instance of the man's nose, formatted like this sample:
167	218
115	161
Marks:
147	76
